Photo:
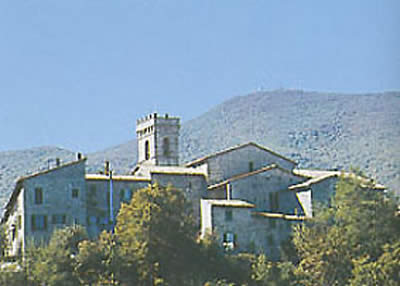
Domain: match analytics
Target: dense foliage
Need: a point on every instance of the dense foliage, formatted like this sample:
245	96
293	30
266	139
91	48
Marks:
354	241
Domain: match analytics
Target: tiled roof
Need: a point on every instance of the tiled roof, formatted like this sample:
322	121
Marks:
102	177
316	176
229	203
279	215
202	159
147	170
244	175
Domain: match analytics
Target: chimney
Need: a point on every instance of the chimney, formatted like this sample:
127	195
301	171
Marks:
58	162
79	156
106	168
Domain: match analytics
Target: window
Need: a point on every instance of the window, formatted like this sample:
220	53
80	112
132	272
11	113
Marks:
38	196
228	241
251	166
146	150
39	222
228	215
13	232
274	201
92	220
75	193
122	195
166	150
59	219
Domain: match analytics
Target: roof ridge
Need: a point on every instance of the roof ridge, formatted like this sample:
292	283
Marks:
235	147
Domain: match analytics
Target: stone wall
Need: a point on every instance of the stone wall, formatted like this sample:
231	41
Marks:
268	191
63	201
15	227
242	160
193	186
98	201
252	233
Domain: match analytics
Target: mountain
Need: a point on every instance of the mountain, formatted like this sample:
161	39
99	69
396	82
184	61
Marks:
318	130
14	164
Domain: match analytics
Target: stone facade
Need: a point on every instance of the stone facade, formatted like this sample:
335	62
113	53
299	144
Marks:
158	140
46	201
248	195
239	160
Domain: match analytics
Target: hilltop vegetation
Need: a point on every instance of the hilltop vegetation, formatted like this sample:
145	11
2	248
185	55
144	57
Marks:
318	130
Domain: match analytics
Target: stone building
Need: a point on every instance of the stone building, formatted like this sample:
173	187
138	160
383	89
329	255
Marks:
248	195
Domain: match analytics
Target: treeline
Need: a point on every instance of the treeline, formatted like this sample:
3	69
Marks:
355	241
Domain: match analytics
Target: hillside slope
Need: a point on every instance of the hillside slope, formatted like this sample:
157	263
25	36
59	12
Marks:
318	130
14	164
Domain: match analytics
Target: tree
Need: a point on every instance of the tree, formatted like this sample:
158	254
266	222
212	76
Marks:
156	234
359	223
384	271
266	272
99	262
53	264
3	242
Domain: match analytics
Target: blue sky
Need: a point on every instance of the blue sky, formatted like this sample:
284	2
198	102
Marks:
78	73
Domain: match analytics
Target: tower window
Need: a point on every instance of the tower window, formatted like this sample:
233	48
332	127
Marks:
166	150
147	150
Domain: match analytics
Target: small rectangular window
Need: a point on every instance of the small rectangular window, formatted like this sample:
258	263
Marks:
228	241
39	222
228	215
59	219
75	193
38	196
251	166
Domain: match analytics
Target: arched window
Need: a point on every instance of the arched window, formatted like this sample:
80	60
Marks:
147	150
166	147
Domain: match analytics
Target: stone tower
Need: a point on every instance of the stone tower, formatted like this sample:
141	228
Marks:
158	140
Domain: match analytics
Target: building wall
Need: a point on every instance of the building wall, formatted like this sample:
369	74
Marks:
57	188
323	191
193	186
235	162
15	227
252	233
268	191
98	201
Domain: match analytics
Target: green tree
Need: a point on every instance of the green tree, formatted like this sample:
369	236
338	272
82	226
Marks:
156	233
99	263
53	264
358	224
266	272
384	271
3	242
